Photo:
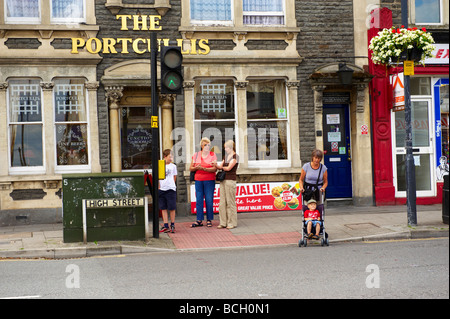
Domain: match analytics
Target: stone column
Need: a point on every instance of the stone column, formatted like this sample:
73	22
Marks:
189	121
361	149
49	127
114	94
94	146
166	103
293	121
241	99
4	153
318	114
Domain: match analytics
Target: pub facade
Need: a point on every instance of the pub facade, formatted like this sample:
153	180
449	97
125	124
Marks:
75	93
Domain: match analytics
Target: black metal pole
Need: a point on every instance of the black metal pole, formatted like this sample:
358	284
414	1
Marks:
410	166
155	132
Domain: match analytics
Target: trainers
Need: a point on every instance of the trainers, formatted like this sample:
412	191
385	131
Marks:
172	228
164	229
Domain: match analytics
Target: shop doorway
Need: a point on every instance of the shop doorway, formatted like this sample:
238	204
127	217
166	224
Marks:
422	148
337	155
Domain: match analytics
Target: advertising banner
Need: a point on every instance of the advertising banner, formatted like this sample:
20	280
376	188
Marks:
397	81
259	197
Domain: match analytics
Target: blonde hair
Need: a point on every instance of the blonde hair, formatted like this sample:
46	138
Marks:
230	144
204	140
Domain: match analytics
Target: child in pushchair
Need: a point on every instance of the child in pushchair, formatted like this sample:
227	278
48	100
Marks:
312	224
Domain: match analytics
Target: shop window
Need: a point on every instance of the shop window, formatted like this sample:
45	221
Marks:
25	126
420	86
263	12
136	138
71	125
22	11
212	11
267	120
214	112
428	11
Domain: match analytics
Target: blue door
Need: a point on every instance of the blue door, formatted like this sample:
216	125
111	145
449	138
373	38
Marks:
337	155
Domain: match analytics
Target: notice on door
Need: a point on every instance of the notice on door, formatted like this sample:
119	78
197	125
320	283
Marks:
333	119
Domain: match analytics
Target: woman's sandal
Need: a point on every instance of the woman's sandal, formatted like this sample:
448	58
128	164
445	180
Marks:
198	224
208	223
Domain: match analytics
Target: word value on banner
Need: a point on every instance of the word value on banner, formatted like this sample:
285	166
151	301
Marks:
259	197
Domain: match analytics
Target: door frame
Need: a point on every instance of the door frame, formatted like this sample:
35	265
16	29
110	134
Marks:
348	135
430	150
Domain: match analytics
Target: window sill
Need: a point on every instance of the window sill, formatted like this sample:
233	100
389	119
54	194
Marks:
249	29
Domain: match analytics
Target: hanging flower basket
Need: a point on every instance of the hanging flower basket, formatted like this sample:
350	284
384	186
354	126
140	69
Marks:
395	45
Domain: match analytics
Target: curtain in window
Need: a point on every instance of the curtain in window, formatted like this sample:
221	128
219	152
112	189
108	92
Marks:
263	12
67	8
211	10
263	5
22	8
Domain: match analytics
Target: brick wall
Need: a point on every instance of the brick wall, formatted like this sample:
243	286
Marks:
326	35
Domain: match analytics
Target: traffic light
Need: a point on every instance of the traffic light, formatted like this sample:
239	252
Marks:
171	78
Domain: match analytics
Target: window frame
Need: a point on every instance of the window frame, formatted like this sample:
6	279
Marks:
22	20
25	170
61	169
68	20
265	14
230	22
427	151
196	122
278	162
441	15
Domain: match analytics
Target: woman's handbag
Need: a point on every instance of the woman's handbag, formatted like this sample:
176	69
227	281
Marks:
192	175
220	176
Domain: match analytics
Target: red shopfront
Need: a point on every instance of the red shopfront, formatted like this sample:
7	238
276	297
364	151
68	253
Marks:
429	103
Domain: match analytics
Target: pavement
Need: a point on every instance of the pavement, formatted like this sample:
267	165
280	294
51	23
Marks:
342	223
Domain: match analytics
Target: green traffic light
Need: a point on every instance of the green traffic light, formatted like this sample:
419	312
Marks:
172	81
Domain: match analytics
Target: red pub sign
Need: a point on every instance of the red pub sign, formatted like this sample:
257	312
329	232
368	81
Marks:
259	197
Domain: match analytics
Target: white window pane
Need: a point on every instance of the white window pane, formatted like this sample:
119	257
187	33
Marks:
428	11
72	144
422	172
263	5
70	100
266	99
25	101
211	10
263	20
267	140
218	132
26	145
214	99
419	122
22	8
263	12
67	9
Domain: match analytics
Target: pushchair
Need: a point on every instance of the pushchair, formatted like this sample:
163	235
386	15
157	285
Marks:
323	236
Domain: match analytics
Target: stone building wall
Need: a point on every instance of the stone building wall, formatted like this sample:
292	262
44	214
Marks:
326	36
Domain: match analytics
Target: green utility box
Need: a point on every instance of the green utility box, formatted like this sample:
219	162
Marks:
124	222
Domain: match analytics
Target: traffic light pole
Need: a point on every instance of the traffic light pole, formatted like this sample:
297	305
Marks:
155	132
410	166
